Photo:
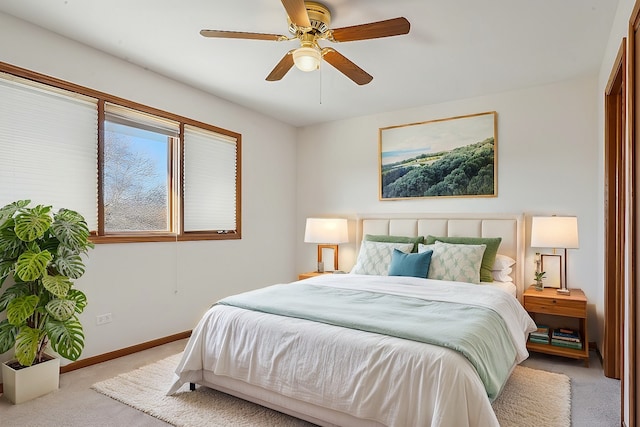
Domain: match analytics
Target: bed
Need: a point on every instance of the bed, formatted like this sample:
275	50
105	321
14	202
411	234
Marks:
314	350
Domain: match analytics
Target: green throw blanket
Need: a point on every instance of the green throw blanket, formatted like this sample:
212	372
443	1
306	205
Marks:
476	332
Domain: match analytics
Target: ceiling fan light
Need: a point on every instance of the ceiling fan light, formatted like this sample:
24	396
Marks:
307	58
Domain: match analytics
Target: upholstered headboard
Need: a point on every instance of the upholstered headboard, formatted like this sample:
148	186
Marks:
510	227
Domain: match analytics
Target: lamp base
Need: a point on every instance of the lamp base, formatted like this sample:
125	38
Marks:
335	257
563	291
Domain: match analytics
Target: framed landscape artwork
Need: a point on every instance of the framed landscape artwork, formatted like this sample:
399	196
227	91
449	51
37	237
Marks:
454	157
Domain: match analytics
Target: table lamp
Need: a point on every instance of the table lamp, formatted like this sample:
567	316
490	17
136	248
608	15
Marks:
328	233
557	232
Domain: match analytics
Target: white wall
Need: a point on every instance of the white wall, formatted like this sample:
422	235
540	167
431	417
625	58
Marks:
548	163
157	289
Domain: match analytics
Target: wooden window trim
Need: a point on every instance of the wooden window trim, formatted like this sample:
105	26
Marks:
99	236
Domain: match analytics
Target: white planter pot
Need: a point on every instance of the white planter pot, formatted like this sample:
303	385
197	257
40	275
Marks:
31	382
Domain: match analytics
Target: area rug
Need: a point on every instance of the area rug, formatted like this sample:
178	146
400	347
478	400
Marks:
530	398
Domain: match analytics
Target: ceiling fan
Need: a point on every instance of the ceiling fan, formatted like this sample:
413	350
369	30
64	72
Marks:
309	22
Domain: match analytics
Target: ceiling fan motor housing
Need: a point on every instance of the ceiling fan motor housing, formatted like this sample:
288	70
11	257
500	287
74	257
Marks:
319	16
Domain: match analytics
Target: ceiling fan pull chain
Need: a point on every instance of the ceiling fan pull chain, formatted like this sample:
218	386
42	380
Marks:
320	85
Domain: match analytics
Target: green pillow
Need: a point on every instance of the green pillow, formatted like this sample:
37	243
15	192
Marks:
395	239
489	256
412	265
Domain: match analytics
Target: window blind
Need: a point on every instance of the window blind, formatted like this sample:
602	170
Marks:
210	167
137	119
48	146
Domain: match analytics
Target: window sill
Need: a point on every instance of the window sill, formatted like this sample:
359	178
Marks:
135	238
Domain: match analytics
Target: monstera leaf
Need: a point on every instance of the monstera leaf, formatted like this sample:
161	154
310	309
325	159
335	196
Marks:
6	267
79	298
15	291
69	263
27	343
31	224
72	230
57	285
66	338
21	308
7	336
61	309
10	244
9	210
32	265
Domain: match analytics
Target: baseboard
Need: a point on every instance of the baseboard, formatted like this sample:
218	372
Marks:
123	352
119	353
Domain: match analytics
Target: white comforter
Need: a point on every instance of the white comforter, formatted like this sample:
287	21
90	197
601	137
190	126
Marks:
393	381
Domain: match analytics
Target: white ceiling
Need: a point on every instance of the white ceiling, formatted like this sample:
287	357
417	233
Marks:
455	49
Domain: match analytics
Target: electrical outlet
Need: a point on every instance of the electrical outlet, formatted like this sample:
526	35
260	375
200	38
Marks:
104	319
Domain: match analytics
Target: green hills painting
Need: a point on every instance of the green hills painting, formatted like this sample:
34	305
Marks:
450	157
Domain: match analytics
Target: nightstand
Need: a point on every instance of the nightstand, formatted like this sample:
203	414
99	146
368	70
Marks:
311	274
549	302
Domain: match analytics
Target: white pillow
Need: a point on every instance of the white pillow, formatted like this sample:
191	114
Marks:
502	262
457	263
502	275
375	257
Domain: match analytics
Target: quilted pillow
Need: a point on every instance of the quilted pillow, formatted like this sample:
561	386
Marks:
457	263
489	256
412	265
375	257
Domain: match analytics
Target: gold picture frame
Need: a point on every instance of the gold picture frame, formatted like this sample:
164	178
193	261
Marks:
452	157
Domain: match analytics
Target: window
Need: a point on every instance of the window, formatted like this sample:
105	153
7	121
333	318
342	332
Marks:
134	172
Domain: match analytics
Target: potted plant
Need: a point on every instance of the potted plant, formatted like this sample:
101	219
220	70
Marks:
40	256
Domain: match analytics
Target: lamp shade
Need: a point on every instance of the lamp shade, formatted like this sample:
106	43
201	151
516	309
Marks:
326	230
554	232
307	58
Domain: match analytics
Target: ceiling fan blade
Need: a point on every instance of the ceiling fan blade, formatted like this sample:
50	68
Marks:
373	30
241	35
297	12
345	66
281	67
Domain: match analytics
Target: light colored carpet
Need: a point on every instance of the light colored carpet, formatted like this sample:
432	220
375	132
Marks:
531	397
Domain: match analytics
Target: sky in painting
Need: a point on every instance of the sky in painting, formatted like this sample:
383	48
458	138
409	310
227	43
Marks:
405	142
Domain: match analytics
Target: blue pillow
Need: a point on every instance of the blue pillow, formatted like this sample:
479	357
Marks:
413	265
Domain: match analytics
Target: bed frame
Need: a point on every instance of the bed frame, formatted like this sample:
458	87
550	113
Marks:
508	226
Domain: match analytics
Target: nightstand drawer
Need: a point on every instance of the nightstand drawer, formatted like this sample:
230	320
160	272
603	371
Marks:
559	306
